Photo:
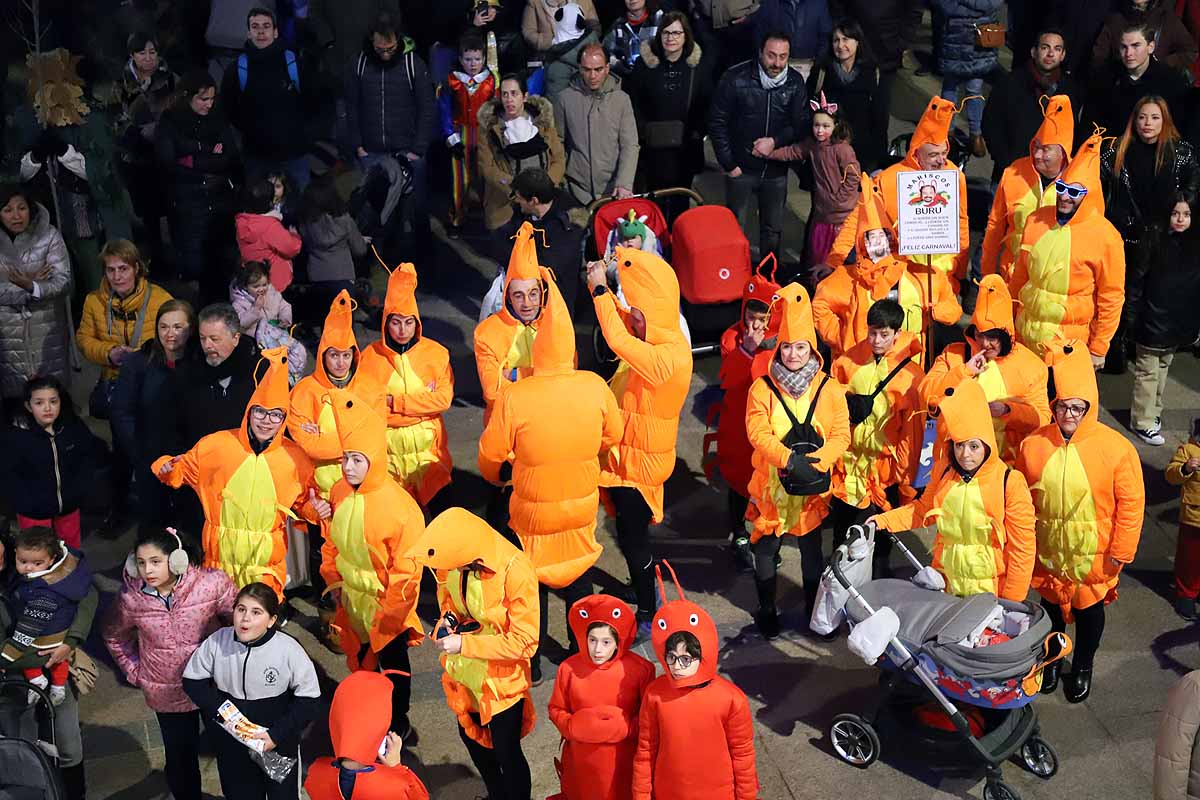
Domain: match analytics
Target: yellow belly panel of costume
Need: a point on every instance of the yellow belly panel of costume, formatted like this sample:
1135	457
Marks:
994	388
1044	296
1068	534
867	440
966	533
470	672
361	587
518	362
326	475
1029	203
942	263
246	529
789	506
410	449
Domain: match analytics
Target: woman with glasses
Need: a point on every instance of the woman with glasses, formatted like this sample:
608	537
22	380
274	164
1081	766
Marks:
1089	497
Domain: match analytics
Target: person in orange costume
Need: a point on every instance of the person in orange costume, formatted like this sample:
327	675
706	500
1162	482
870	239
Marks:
1090	500
651	385
793	376
490	589
843	298
247	480
553	425
358	723
927	150
1027	185
750	338
311	425
695	732
415	373
364	560
1069	279
1012	377
982	509
596	701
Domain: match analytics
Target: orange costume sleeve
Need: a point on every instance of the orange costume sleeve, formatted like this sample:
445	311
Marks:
434	365
846	238
656	364
1110	294
1020	538
997	230
306	408
831	304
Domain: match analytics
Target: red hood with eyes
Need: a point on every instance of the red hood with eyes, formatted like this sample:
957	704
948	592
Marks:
609	610
684	615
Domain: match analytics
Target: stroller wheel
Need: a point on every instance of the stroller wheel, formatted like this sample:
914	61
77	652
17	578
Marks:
1039	757
854	740
999	790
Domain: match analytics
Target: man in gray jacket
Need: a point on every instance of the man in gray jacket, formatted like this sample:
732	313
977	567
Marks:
599	130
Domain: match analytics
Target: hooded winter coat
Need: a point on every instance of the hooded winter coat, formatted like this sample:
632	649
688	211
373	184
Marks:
1069	278
251	315
420	387
959	56
1017	379
600	137
933	128
35	338
773	511
500	161
1174	45
595	706
491	673
1189	483
843	298
48	474
553	425
151	641
109	321
248	492
1023	190
262	237
984	519
1176	757
652	381
1088	492
374	524
332	244
695	734
359	719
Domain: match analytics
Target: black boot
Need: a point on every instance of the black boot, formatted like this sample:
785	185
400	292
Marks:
1078	685
767	618
1050	677
74	784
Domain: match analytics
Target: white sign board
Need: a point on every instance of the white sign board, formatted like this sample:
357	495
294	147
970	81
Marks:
927	212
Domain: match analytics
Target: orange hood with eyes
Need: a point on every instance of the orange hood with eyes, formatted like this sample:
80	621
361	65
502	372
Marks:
650	285
683	615
337	333
993	308
272	391
1071	371
1084	169
362	427
872	215
401	297
523	266
1058	125
794	311
963	414
554	347
360	716
933	127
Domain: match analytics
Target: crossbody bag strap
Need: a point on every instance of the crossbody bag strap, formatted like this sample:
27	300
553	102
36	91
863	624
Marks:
141	317
795	422
812	407
889	377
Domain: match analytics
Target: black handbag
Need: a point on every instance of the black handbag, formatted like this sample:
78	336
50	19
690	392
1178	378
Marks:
802	439
860	405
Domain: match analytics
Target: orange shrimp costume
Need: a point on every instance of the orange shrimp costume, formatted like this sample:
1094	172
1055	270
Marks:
843	298
247	495
420	384
1069	280
595	706
503	343
1088	492
773	511
884	447
695	735
373	527
1022	190
652	381
491	674
985	539
933	128
358	721
554	425
1017	379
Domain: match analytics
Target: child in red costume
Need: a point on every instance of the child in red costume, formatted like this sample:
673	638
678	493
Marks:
596	699
358	725
695	733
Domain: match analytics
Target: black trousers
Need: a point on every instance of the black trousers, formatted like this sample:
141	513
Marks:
811	565
737	506
842	516
395	656
181	745
242	779
316	540
503	767
571	593
633	537
1089	629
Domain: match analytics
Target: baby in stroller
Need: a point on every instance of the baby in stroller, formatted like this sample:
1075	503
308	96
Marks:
632	231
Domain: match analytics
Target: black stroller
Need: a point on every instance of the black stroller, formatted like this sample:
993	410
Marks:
28	768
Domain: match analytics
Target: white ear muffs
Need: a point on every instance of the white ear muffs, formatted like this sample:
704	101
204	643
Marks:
177	559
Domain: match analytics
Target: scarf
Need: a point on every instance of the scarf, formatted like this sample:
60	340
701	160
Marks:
795	383
846	76
770	83
1046	82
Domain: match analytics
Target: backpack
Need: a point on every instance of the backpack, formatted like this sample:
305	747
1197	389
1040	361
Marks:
860	405
409	67
293	69
803	439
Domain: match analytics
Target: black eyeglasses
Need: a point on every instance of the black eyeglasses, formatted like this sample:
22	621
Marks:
273	414
1071	410
1073	192
682	661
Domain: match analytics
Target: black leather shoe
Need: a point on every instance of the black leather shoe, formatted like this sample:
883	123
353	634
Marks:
535	671
1050	677
767	621
1078	685
1186	608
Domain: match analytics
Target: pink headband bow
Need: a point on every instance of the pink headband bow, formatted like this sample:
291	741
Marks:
828	108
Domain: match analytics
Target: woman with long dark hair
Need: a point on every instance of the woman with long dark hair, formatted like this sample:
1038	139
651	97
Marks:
848	76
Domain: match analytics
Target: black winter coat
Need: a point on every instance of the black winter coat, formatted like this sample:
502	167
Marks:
270	112
204	406
1121	207
1161	307
388	110
1013	114
559	249
659	92
183	145
855	101
1080	22
1114	95
890	26
47	475
742	111
959	56
145	410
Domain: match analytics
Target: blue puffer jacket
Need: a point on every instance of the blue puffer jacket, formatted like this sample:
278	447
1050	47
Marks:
742	111
389	110
960	57
806	22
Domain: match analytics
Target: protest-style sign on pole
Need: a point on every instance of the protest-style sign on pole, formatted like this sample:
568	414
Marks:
927	205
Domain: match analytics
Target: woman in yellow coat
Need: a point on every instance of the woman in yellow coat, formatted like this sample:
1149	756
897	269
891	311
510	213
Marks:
415	373
981	509
365	557
1087	487
792	379
250	480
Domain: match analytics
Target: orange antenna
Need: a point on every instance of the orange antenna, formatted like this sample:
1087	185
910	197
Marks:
379	258
674	578
774	266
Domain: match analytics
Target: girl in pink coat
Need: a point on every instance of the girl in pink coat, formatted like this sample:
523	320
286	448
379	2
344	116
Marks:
163	613
261	235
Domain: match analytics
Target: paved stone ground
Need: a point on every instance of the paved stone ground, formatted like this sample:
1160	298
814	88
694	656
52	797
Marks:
796	685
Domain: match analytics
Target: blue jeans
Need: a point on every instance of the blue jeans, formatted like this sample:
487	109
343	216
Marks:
298	171
974	86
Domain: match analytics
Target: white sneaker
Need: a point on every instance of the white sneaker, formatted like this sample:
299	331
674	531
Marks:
42	682
57	695
1152	437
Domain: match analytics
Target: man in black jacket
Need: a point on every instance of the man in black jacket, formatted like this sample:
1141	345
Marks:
1117	89
758	106
560	249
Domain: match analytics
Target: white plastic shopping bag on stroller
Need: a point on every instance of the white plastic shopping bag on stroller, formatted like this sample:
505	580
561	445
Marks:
829	611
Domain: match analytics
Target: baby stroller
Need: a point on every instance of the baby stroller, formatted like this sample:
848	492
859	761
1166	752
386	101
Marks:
983	692
28	769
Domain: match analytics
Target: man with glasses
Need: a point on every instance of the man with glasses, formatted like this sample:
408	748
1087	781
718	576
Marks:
1069	278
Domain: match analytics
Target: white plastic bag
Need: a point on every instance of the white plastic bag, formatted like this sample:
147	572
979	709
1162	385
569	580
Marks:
493	301
829	611
869	639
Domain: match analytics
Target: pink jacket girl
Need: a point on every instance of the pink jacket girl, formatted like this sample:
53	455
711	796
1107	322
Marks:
262	237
